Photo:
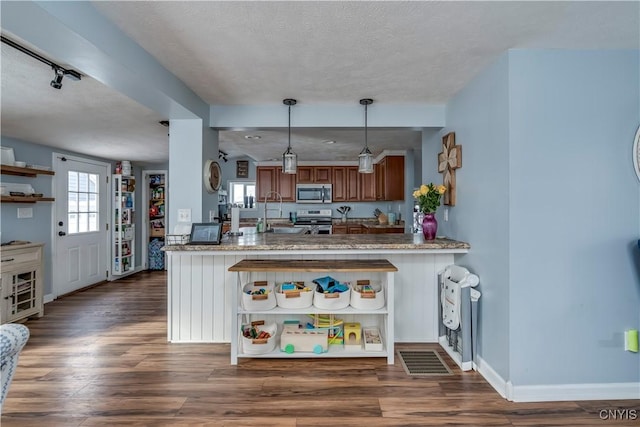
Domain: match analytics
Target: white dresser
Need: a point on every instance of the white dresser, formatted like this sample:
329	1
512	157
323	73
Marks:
21	284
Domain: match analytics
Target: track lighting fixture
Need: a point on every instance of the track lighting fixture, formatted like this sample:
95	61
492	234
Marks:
58	74
59	71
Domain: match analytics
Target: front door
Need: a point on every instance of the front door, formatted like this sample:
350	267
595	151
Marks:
81	236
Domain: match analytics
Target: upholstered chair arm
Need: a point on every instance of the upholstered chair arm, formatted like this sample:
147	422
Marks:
13	337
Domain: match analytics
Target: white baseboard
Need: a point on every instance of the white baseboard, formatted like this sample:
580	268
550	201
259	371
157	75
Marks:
47	298
492	377
465	366
128	273
556	392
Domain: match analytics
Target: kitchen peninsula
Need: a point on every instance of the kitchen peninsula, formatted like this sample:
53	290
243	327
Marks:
200	285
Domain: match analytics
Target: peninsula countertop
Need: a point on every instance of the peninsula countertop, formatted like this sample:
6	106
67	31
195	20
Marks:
296	242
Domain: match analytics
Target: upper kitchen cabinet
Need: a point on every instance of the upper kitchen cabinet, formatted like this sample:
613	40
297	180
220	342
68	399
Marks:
271	179
314	175
367	186
345	184
389	178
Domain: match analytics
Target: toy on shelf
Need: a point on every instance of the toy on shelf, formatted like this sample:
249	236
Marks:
297	339
352	336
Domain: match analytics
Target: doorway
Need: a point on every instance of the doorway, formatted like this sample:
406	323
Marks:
80	241
154	218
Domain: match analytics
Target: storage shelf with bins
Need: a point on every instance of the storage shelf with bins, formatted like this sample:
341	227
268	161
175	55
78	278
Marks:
157	205
21	282
123	225
156	190
379	270
30	173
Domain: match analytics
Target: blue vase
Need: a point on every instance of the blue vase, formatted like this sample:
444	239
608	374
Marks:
429	226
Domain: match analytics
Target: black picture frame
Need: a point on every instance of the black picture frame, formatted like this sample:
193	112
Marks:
242	169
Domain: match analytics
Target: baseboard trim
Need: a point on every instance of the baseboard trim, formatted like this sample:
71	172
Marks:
128	273
465	366
47	298
556	392
492	377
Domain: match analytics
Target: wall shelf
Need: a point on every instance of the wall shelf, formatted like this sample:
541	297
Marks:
28	172
19	171
26	199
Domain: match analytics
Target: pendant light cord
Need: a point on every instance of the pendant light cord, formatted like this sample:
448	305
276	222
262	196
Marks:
366	145
289	147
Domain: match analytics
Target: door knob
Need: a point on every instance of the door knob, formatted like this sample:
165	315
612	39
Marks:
61	233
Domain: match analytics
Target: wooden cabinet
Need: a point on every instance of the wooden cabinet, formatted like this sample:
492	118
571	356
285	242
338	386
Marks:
271	178
313	175
378	271
389	178
21	282
339	229
347	229
28	172
354	229
345	184
367	186
124	233
383	230
286	185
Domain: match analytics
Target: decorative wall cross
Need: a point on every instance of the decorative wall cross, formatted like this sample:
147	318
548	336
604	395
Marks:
448	161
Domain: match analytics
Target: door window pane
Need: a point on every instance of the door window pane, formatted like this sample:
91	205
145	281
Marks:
83	195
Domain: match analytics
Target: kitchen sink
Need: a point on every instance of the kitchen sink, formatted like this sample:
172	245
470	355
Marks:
286	230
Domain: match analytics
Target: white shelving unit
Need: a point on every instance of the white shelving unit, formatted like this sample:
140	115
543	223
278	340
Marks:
350	270
124	232
21	284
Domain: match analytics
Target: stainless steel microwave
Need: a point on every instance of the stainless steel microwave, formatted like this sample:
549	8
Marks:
313	193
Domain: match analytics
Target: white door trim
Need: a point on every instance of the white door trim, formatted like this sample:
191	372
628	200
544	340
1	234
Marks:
54	249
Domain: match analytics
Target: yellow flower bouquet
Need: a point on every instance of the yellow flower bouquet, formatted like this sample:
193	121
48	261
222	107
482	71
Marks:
428	197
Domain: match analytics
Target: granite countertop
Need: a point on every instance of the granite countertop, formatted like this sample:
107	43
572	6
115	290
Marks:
283	222
296	242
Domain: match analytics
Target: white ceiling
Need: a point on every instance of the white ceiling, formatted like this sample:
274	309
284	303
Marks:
241	53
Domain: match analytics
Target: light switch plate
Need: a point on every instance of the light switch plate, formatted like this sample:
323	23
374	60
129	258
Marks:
25	212
184	215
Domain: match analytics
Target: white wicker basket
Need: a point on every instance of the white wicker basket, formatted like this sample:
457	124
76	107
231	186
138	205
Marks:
177	239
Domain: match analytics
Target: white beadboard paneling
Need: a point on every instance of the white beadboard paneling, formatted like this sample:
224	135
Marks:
200	296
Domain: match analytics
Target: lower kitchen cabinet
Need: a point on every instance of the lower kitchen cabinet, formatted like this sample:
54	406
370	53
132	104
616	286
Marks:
21	282
270	273
383	230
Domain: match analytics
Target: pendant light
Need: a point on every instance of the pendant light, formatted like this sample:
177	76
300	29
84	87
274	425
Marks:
289	158
365	158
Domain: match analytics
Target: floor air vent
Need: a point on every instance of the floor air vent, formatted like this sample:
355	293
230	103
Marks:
426	362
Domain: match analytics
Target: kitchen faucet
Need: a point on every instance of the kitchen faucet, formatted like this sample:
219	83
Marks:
266	223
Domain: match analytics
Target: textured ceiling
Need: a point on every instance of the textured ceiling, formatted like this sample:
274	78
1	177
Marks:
242	53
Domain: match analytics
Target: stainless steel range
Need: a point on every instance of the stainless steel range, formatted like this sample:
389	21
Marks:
318	221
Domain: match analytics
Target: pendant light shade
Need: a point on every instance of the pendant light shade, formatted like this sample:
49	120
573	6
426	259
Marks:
289	158
365	158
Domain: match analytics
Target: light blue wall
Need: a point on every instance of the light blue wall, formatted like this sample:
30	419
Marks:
548	199
574	209
38	228
479	116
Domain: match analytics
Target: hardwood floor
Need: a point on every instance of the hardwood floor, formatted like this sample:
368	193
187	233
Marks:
101	358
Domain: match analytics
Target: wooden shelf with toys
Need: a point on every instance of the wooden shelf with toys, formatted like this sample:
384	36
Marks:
285	309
